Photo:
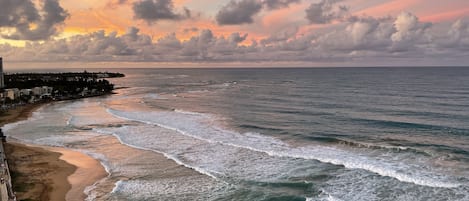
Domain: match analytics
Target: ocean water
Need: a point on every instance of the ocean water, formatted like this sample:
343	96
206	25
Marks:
271	134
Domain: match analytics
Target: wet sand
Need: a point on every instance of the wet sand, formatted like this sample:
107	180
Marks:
38	174
88	172
47	173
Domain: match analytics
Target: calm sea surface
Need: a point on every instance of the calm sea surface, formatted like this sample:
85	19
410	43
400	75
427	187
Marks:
272	134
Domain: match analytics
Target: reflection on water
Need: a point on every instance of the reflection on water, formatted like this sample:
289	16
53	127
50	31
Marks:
297	134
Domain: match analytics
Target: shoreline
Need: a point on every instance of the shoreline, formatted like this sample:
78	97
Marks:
88	172
48	173
19	113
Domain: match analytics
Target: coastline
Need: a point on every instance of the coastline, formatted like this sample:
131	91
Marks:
47	173
88	172
19	113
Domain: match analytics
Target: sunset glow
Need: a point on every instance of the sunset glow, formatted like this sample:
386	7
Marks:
275	31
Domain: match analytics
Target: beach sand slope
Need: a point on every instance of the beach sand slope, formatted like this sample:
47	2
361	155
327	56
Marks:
38	174
47	173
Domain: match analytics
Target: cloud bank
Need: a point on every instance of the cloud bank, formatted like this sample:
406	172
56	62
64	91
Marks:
401	37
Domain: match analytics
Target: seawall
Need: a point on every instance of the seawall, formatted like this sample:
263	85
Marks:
6	188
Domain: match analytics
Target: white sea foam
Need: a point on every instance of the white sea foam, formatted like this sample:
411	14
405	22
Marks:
324	196
164	189
36	115
171	157
117	187
187	112
69	121
339	157
56	141
154	96
201	128
89	190
101	158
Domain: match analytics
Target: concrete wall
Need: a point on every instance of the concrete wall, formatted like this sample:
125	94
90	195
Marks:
6	188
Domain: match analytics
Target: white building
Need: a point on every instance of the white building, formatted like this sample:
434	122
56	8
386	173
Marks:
37	91
12	93
46	91
26	92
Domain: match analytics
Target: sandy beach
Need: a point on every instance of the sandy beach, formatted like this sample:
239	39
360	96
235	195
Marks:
48	173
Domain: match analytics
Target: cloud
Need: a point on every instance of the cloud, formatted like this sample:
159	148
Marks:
277	4
280	36
237	38
28	22
14	12
241	12
154	10
189	30
400	38
359	34
409	32
169	42
132	32
325	12
457	37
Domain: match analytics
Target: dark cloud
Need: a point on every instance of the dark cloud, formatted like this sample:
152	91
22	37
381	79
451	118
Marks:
243	11
238	12
325	12
155	10
132	33
277	4
28	22
237	38
14	12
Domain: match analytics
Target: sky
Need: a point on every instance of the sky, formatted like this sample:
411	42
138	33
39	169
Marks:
280	33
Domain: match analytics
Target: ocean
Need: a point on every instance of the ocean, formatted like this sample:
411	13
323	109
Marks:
270	134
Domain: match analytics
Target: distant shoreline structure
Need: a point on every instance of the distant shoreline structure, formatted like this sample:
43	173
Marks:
20	89
24	88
